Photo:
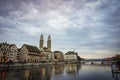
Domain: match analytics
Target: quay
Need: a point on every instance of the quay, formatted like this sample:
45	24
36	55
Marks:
56	63
29	64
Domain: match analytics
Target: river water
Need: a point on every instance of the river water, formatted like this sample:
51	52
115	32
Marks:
58	72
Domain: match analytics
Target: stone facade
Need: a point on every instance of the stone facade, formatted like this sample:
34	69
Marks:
48	56
49	43
13	53
43	57
46	53
29	53
41	44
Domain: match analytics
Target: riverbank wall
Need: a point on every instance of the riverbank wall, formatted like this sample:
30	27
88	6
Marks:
30	64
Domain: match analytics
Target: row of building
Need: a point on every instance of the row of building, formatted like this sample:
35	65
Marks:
29	53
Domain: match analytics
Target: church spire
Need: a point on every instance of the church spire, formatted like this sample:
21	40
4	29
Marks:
49	38
49	43
41	37
41	43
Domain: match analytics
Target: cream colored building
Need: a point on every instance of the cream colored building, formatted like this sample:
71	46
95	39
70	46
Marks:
13	53
48	56
29	53
43	57
70	56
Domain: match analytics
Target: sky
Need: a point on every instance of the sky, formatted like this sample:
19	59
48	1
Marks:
89	27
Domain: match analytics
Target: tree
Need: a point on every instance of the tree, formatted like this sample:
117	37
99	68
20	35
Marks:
5	51
116	57
79	58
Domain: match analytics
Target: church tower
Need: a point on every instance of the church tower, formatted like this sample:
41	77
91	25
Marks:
41	43
49	43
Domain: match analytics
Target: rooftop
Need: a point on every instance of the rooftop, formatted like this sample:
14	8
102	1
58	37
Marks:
71	53
32	48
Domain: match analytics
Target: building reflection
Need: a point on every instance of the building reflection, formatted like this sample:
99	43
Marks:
33	74
37	72
56	70
3	73
27	74
45	73
8	74
72	68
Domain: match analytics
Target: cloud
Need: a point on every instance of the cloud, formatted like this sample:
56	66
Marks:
87	26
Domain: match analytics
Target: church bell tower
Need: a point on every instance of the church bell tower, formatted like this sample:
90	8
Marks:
49	43
41	43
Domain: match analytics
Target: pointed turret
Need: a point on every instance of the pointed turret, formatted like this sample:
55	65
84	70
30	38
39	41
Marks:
41	37
49	38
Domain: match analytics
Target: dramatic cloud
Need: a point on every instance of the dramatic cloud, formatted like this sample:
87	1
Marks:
90	27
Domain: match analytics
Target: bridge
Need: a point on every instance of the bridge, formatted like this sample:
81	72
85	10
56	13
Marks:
95	62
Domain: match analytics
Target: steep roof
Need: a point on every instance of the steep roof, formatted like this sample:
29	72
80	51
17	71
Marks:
4	43
71	53
31	48
12	44
57	52
45	48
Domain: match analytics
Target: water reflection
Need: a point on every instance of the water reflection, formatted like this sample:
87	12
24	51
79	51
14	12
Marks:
56	70
72	68
52	72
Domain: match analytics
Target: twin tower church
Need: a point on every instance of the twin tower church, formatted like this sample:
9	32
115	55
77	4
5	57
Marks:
41	43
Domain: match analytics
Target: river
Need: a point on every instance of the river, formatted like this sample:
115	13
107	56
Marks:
58	72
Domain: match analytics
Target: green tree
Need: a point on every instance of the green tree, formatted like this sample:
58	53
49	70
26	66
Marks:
116	57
